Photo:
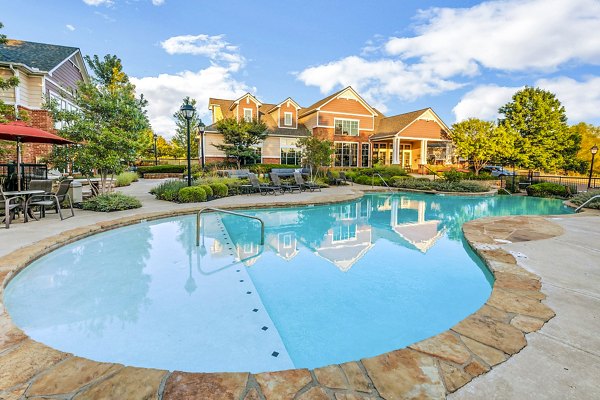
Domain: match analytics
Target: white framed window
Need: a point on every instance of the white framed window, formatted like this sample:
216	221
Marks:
364	154
346	154
248	114
344	233
347	127
287	118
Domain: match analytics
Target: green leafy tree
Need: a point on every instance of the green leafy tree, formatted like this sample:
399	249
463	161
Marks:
180	138
108	125
590	137
539	119
478	141
240	138
316	153
6	111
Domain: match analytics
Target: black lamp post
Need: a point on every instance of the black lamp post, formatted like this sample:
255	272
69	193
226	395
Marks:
155	137
201	129
188	112
594	150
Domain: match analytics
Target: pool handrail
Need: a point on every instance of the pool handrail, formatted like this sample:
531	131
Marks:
381	177
199	223
587	201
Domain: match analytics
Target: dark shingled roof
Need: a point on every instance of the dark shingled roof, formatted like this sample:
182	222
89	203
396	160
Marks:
389	126
35	55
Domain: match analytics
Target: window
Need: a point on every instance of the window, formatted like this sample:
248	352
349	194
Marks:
248	114
348	127
291	156
364	155
287	119
62	105
346	154
343	233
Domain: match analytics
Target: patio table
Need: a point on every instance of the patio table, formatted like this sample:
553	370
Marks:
25	195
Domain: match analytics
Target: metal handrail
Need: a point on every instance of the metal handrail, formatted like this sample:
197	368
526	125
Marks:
434	173
384	182
587	201
198	222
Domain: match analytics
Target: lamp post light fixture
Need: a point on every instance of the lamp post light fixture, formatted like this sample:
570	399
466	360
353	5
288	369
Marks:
201	129
155	137
593	150
188	111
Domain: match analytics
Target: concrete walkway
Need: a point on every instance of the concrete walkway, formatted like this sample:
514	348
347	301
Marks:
562	360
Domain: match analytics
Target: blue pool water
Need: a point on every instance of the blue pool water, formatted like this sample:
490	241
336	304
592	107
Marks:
331	284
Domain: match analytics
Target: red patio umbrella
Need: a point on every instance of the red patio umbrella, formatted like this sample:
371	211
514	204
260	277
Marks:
20	132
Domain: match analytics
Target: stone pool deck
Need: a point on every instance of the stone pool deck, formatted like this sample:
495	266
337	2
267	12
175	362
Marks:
562	358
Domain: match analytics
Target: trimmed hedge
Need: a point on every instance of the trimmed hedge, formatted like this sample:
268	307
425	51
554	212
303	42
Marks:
440	185
111	202
219	189
159	169
548	189
208	190
192	194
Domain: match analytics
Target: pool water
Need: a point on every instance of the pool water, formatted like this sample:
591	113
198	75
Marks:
332	283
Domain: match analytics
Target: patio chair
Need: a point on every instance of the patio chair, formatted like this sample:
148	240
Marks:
261	188
332	179
53	200
345	178
305	185
41	184
11	206
283	186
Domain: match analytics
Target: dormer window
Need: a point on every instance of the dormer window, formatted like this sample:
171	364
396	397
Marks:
287	121
248	114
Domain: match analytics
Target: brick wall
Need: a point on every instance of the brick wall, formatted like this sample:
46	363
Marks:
32	152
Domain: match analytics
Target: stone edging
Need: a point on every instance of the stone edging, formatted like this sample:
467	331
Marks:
427	369
395	189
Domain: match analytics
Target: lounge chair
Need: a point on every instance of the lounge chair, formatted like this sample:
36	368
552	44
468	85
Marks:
305	185
283	186
10	205
53	200
262	188
344	178
332	179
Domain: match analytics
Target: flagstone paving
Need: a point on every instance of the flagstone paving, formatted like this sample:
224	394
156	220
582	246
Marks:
478	346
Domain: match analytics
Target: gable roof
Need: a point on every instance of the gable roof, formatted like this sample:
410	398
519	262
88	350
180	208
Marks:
389	126
322	102
243	97
41	56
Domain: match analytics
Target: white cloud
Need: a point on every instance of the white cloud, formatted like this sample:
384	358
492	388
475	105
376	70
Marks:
70	27
213	47
581	99
158	2
483	102
98	2
453	45
165	93
505	35
376	80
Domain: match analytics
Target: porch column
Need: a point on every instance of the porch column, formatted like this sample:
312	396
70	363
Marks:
396	150
423	151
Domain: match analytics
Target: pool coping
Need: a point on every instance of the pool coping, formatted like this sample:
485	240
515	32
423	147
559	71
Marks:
431	368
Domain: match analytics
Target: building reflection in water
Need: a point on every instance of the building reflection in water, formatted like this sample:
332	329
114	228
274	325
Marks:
341	234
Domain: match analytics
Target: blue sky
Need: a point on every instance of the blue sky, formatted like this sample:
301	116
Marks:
463	58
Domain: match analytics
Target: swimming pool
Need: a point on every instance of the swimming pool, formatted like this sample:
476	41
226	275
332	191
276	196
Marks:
332	283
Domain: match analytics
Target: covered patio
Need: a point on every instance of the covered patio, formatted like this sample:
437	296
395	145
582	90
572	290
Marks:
411	153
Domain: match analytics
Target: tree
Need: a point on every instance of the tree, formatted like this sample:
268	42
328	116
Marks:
316	153
478	141
108	125
539	119
240	138
590	136
180	138
6	111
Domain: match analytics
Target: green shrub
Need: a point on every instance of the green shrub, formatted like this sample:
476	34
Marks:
219	189
440	185
547	189
125	179
581	198
159	169
362	179
111	202
395	179
208	190
452	176
192	194
168	190
233	184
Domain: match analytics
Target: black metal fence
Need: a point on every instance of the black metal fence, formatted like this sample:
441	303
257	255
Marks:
8	173
575	184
